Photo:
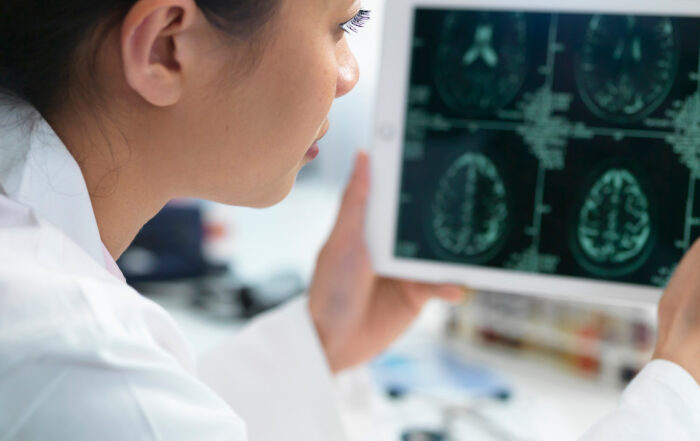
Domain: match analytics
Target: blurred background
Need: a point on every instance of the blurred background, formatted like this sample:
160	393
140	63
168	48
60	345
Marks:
497	367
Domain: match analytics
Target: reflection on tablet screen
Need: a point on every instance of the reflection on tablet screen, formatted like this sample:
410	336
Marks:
552	143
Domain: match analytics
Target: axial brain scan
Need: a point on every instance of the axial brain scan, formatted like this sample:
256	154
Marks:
564	144
481	61
469	211
614	224
627	65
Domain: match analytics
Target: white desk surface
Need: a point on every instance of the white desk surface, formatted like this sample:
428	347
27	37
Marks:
548	403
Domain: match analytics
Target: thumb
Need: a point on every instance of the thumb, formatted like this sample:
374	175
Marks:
351	216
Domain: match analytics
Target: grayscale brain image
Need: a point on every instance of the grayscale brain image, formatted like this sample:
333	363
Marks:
551	143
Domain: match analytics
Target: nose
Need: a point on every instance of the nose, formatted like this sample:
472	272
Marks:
348	70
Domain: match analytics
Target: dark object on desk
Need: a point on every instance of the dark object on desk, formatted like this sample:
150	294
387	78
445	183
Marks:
503	395
423	435
230	298
169	247
396	392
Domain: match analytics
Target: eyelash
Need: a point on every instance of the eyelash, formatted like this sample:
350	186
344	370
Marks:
357	22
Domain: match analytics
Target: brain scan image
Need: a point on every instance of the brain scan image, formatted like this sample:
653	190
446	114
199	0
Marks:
553	143
613	227
469	216
626	66
481	61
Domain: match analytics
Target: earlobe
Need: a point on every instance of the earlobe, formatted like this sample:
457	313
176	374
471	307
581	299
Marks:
151	57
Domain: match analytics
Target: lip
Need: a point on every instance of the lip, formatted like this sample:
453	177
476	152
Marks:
314	150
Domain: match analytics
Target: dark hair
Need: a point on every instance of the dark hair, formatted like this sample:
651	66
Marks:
39	38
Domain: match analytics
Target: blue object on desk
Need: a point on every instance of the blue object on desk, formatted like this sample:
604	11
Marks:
438	372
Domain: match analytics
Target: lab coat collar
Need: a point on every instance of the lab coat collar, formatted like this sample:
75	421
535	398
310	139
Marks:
37	170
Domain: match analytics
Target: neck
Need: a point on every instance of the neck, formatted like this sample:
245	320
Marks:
115	166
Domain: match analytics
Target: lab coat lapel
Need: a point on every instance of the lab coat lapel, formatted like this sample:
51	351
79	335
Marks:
37	170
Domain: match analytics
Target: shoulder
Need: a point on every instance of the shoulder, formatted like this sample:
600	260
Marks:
85	357
54	296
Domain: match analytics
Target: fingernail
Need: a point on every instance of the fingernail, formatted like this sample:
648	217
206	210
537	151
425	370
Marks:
359	157
359	167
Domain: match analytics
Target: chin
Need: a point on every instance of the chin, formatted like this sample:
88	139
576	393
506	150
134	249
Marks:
263	200
271	201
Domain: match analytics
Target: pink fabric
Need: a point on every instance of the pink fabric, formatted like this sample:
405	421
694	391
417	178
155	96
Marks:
111	265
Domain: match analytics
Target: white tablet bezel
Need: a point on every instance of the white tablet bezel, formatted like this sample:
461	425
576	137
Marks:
387	145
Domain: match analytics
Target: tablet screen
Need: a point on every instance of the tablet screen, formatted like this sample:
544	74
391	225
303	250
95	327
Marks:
561	144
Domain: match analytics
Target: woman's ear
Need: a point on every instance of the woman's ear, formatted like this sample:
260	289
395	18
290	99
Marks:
153	58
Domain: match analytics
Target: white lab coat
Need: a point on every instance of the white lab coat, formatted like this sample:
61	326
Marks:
84	357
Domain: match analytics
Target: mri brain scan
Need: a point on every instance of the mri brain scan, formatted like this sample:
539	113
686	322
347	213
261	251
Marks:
613	226
481	61
474	230
563	143
627	65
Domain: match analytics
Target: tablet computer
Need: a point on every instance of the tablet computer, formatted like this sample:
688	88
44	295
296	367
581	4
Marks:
538	147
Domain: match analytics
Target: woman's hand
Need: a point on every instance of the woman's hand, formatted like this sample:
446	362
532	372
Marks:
679	316
356	313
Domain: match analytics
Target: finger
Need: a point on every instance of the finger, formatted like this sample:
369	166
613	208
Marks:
422	292
451	293
446	291
685	277
351	216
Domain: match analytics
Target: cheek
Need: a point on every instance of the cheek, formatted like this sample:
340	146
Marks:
308	101
272	120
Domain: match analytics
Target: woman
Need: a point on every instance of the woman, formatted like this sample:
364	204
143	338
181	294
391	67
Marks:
111	109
